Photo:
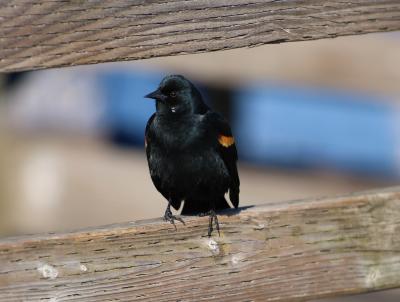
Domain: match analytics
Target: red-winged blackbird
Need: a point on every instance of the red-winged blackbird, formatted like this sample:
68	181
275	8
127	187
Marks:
191	152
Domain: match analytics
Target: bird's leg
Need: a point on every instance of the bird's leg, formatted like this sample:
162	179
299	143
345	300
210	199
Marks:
212	217
171	218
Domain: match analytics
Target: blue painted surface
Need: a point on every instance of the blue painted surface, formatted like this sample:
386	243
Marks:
126	109
309	127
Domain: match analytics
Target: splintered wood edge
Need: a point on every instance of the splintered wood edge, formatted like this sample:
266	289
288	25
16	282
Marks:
288	251
65	33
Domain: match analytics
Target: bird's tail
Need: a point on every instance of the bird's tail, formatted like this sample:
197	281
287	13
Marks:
195	207
234	196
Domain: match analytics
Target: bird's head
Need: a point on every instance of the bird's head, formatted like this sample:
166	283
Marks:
177	95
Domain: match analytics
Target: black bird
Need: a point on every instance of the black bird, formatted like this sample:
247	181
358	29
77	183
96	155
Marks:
191	152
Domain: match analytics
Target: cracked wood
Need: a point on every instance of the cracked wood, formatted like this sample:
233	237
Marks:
290	251
44	34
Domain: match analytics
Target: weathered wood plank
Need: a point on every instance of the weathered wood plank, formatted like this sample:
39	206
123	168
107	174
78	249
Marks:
285	251
43	34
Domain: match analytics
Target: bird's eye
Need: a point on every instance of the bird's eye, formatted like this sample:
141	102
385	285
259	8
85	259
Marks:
172	94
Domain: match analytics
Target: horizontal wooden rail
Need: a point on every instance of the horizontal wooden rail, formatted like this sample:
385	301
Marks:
278	252
43	34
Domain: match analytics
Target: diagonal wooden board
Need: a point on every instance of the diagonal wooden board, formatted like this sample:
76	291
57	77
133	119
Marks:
45	34
290	251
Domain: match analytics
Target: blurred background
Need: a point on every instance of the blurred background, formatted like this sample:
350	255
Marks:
310	119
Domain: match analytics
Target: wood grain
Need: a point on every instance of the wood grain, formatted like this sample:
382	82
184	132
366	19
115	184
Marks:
291	251
43	34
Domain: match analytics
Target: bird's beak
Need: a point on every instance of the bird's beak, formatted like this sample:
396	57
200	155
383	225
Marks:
156	95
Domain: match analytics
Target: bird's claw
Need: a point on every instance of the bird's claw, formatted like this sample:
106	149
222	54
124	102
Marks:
213	217
171	218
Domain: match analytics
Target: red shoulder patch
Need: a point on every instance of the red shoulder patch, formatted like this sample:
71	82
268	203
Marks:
226	141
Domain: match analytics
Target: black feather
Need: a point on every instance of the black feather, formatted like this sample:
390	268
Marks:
186	160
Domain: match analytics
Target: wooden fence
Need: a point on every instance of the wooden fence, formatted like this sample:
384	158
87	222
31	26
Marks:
278	252
53	33
291	251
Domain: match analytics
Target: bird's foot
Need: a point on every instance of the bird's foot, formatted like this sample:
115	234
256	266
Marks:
212	218
171	218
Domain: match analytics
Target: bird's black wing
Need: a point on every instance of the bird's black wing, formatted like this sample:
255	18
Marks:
226	147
